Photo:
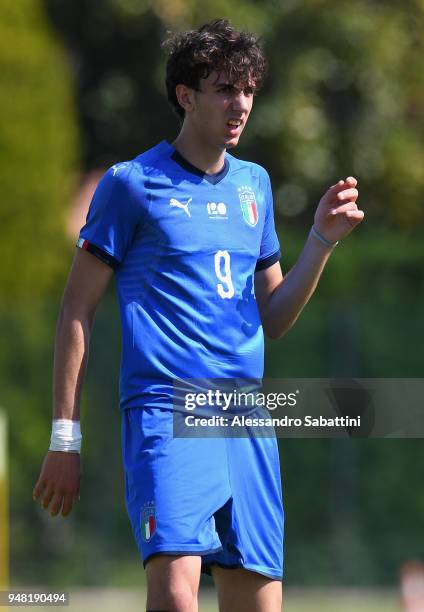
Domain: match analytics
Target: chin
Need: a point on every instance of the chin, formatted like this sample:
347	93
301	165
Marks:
233	142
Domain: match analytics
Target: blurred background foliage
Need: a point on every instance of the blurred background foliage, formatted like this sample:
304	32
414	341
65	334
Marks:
38	148
82	86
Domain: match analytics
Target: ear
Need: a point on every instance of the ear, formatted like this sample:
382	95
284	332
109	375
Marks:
186	97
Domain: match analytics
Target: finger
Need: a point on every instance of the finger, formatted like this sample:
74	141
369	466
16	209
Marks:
67	504
56	504
343	208
38	490
339	186
351	181
332	194
47	497
348	194
355	216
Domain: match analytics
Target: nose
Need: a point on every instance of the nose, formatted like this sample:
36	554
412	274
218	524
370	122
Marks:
240	101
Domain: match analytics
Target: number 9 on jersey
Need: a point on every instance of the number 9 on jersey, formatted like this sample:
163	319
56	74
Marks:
223	271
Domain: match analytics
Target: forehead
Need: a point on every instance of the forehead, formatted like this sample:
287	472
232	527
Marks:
221	78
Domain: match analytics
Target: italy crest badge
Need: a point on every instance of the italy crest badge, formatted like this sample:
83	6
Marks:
248	205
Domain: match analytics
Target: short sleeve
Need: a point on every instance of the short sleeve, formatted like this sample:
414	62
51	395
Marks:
270	247
112	218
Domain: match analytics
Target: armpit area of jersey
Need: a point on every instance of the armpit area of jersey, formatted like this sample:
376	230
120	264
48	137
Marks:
263	264
99	253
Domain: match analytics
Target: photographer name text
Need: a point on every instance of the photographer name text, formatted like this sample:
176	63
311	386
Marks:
285	421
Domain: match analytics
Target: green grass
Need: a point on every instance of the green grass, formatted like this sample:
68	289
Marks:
341	601
132	600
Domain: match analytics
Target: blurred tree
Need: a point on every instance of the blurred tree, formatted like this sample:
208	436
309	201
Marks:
115	49
38	153
344	93
38	150
345	99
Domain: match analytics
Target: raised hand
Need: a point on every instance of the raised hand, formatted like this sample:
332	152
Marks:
337	213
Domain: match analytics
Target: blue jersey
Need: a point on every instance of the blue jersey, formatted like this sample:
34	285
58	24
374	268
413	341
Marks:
185	247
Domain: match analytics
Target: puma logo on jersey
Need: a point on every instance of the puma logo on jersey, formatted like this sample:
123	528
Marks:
174	202
118	167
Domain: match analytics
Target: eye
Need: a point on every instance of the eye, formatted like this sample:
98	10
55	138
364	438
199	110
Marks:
249	91
226	89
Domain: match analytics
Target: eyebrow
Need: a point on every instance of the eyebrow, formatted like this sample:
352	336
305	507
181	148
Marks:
232	85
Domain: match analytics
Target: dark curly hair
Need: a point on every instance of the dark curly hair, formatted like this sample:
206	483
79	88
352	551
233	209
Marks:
215	46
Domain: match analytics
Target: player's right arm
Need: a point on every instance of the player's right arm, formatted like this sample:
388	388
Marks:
58	484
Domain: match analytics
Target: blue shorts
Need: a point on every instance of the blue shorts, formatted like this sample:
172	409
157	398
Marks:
215	497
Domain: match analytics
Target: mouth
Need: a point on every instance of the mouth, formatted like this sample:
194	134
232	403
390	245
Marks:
234	126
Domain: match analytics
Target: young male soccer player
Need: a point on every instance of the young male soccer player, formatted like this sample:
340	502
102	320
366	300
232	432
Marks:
189	231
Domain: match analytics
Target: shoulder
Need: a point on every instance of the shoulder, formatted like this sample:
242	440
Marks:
152	161
117	175
255	170
143	165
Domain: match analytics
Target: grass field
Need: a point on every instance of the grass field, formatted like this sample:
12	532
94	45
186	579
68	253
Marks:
111	600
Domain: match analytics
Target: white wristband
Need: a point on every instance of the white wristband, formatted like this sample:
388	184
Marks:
322	239
66	436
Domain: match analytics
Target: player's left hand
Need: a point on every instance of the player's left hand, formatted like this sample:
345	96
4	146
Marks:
337	213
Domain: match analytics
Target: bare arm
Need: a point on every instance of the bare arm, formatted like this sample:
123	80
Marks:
86	284
281	299
58	483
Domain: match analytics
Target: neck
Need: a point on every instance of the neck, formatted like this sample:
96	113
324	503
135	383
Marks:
202	155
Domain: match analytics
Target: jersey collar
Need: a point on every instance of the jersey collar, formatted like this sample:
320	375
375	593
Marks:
184	163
